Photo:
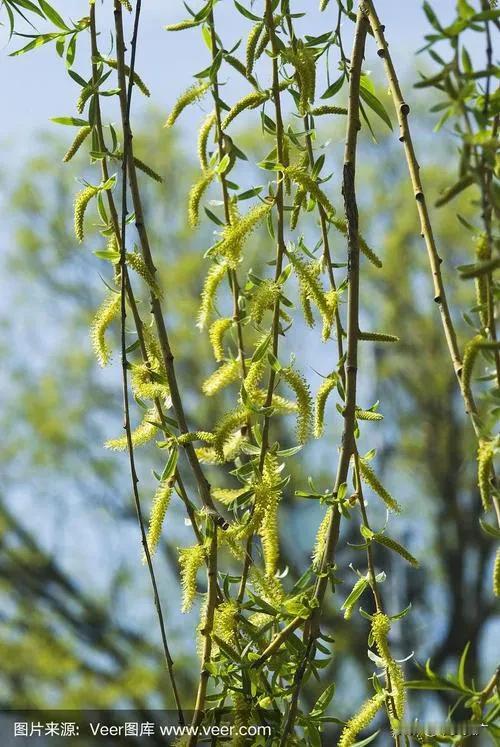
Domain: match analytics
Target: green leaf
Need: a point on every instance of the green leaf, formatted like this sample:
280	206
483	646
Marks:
37	42
52	15
71	121
324	700
246	13
461	666
334	88
375	104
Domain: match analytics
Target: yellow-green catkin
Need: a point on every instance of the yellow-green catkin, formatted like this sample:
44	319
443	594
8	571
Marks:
138	265
361	720
252	40
299	385
203	135
312	290
470	353
235	234
147	382
105	314
372	480
182	25
485	455
320	111
136	78
192	94
263	299
216	336
196	193
241	719
81	201
327	386
253	378
190	561
127	5
301	177
161	502
496	574
250	101
304	62
267	497
224	376
381	626
481	282
226	619
145	432
320	542
341	225
146	169
214	278
81	136
225	428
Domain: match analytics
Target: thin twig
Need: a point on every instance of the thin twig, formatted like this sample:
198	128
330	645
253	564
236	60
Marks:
206	632
126	291
348	438
402	111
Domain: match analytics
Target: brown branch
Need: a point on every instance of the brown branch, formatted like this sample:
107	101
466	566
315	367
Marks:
168	358
348	446
207	635
126	290
402	111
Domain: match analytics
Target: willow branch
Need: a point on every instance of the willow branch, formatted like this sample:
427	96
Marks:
402	111
207	635
348	446
168	358
280	253
127	291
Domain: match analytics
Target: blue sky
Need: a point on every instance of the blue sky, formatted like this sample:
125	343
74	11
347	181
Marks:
36	86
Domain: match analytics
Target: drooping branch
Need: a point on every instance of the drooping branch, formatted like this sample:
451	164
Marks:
126	292
440	297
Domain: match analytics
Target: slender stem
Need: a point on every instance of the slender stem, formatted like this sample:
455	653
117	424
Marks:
126	291
207	635
168	358
402	111
280	253
348	446
221	139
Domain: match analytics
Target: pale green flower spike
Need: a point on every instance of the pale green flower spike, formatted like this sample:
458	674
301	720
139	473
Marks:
106	313
299	385
381	626
81	201
485	455
190	561
224	376
319	111
137	263
341	225
216	336
361	720
161	502
214	278
192	94
327	386
225	621
81	136
196	193
225	428
320	542
252	40
372	480
144	433
301	177
203	136
137	80
263	299
250	101
235	234
496	574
